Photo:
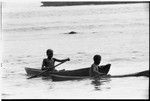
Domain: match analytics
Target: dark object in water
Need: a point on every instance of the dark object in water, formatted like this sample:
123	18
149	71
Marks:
74	3
77	72
72	32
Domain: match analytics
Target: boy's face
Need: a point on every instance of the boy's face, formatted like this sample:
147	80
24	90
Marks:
50	54
97	62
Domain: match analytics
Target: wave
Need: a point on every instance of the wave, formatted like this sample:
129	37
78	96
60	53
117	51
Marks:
25	29
38	28
71	26
120	59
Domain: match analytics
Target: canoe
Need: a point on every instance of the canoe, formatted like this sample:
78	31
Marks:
76	72
55	77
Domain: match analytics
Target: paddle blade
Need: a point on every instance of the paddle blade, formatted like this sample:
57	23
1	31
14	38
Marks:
143	73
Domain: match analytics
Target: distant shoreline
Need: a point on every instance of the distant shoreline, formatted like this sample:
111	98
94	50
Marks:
74	3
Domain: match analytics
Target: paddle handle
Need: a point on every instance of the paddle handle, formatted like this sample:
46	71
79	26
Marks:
59	64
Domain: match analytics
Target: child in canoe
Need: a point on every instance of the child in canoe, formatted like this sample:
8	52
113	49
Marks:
94	67
49	62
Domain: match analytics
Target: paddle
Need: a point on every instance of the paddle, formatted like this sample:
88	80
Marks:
142	73
45	71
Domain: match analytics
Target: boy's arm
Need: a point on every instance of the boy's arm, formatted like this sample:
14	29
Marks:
43	63
61	60
98	72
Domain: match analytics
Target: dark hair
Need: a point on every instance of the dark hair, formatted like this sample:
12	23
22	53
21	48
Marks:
97	59
49	50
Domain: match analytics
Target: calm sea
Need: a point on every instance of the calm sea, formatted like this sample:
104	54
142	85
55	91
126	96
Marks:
119	33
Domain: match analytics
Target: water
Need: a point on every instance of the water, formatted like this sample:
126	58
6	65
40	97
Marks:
119	33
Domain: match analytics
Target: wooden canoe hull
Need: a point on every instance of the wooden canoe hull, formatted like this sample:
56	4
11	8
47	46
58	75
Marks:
56	77
76	72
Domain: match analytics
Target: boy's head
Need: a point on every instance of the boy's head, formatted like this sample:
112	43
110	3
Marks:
97	59
49	53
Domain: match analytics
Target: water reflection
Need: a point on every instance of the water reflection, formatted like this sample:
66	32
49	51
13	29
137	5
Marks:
96	84
99	82
49	80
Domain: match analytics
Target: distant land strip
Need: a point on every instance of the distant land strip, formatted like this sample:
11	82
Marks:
73	3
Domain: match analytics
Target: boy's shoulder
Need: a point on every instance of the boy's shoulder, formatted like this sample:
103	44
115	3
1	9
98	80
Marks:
93	65
45	59
54	58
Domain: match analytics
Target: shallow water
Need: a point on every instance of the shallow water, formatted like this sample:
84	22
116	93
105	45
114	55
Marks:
119	33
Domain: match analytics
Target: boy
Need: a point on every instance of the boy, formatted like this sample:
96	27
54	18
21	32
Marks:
94	68
48	63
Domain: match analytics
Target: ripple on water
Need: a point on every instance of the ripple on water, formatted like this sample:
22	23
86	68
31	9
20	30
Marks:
135	51
120	59
101	84
4	95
